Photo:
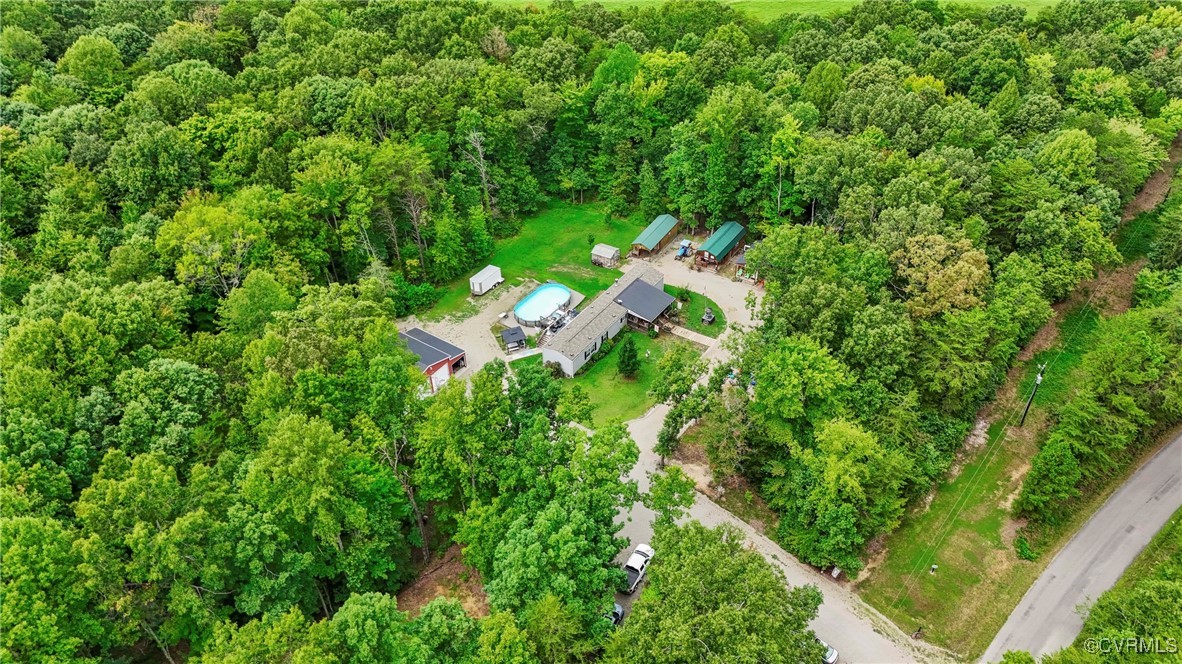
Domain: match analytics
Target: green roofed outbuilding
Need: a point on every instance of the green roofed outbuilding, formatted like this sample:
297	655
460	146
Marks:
659	233
722	244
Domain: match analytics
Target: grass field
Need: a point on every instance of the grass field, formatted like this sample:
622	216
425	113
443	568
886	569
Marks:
691	313
1063	359
967	530
1134	238
767	10
614	396
551	245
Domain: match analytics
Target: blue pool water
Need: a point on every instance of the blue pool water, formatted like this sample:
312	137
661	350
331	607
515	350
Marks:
541	303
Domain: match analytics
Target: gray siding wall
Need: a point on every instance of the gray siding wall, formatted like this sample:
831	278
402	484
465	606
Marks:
572	364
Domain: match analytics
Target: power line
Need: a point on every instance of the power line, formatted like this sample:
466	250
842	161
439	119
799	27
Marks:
945	526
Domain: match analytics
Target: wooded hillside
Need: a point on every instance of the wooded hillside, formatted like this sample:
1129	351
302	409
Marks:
212	213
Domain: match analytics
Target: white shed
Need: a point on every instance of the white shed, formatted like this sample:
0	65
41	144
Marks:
485	280
605	255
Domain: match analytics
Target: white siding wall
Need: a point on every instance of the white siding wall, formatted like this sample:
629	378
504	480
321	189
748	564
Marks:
551	355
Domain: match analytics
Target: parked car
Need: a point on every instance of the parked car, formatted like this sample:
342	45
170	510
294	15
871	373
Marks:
617	615
636	565
830	653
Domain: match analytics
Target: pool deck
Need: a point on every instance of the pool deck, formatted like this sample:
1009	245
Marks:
474	334
548	302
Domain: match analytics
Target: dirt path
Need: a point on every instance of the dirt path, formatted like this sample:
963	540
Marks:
1110	292
446	576
1157	187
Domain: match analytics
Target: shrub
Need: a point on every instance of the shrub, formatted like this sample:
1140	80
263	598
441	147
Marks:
1024	550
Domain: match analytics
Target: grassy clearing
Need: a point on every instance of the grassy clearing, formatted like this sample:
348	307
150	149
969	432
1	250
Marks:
963	605
552	245
691	313
767	10
967	530
1134	238
1076	327
612	395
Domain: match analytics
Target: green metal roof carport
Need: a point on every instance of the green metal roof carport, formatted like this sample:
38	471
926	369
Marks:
723	241
650	238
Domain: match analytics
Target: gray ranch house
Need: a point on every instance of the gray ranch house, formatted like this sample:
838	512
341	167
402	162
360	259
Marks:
638	298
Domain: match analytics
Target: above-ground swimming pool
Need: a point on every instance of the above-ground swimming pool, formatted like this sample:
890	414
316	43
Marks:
541	303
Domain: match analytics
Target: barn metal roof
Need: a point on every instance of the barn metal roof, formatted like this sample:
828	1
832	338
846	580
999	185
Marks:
724	239
650	237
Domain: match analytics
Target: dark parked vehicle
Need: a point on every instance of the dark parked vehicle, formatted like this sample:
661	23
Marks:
617	615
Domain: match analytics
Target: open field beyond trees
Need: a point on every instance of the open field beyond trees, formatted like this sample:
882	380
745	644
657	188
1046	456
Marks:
768	10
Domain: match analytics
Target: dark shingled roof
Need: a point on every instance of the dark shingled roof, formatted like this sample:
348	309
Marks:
430	348
603	312
644	300
513	335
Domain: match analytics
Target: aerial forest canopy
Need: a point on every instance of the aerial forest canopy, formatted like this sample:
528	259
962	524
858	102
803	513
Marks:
213	444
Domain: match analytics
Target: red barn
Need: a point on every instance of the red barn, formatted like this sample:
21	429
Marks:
438	359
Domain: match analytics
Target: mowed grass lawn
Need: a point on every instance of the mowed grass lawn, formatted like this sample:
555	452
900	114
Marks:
767	10
691	313
612	395
968	530
552	245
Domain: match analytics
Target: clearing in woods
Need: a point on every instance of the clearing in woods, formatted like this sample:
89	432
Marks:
446	576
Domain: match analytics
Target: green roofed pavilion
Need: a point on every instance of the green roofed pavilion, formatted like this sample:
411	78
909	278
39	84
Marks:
722	243
652	239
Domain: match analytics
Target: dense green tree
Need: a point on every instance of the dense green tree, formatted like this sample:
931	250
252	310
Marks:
941	276
838	495
712	597
213	214
320	510
677	370
1054	472
823	86
629	360
98	64
799	385
48	594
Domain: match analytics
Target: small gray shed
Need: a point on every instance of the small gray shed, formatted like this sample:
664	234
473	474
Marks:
605	255
514	338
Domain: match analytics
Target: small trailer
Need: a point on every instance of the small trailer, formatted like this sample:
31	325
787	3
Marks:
485	280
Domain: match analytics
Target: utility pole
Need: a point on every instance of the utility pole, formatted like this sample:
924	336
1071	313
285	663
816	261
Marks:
1037	382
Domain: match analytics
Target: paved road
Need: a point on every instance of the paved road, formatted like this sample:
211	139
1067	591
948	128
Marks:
859	633
1046	619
